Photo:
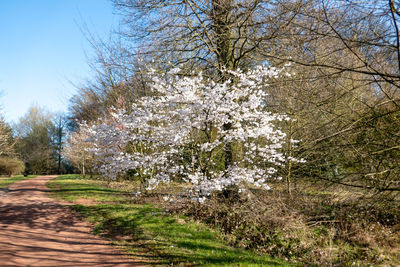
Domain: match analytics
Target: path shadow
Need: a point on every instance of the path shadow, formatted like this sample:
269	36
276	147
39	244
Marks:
44	215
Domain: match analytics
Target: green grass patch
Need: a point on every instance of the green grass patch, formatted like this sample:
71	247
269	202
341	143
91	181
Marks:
73	188
4	182
148	230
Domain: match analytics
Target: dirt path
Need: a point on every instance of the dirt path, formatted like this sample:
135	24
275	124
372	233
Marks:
37	231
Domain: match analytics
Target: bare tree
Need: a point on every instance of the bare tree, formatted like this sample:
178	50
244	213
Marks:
206	34
345	87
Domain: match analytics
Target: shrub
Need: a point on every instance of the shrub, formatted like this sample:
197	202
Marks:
11	166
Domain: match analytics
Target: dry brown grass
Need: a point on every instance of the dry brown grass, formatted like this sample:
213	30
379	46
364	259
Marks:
327	228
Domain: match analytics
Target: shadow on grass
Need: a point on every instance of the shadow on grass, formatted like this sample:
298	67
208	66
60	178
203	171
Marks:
75	191
88	189
147	230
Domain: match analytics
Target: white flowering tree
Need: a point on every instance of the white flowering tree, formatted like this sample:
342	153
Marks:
181	132
77	150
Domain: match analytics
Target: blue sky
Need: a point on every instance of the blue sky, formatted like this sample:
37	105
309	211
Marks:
43	51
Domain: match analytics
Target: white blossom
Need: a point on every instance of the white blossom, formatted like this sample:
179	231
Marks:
153	137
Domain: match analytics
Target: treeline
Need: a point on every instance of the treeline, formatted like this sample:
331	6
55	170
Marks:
34	145
342	91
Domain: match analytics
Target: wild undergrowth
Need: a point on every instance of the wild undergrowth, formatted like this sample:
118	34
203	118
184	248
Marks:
310	227
314	225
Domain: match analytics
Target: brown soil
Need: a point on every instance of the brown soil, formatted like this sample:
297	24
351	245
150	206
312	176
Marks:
35	230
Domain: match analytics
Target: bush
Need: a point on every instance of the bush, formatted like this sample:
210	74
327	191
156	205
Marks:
311	228
11	166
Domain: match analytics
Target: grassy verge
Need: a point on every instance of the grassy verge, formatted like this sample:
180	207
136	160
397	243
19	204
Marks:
10	180
147	230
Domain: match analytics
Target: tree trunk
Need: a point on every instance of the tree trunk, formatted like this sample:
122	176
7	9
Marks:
225	55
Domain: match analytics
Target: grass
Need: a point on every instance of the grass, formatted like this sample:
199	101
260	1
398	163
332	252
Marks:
149	231
4	182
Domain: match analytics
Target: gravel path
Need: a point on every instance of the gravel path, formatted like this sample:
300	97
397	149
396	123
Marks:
35	230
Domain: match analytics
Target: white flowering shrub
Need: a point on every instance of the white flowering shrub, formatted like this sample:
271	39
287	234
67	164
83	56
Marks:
184	129
77	150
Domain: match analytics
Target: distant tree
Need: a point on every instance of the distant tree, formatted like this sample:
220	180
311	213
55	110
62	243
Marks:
105	92
6	139
9	164
58	133
76	152
35	145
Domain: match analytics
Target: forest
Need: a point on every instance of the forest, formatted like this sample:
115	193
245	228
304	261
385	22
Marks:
276	122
